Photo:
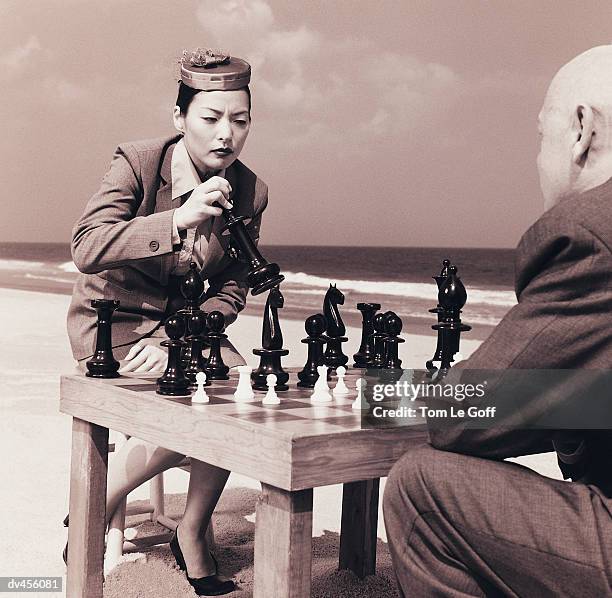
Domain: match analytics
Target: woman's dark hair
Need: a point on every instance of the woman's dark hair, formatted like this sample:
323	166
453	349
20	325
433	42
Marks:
186	94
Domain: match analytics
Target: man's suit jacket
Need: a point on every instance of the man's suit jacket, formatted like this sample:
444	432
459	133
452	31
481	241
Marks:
122	245
563	320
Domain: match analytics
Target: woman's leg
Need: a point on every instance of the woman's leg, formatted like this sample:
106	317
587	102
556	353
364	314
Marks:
133	464
205	486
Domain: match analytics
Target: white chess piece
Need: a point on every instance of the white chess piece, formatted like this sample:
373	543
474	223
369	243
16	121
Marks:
341	389
200	396
360	402
244	392
271	397
321	392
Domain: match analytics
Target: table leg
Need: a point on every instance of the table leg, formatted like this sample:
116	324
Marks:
88	470
358	528
283	543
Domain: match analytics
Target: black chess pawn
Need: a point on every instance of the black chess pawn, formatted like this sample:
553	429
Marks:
103	363
439	310
315	327
379	323
272	346
173	382
192	290
262	275
452	298
393	329
196	324
335	330
215	368
366	349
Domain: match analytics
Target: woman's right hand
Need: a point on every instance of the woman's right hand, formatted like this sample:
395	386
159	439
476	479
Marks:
145	358
199	207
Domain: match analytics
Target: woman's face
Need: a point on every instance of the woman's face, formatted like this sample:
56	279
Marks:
215	128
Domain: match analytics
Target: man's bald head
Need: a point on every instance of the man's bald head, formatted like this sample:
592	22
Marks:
576	126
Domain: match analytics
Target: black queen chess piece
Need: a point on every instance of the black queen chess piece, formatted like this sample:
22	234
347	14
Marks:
452	297
215	368
365	353
173	382
315	327
272	346
103	363
335	330
196	325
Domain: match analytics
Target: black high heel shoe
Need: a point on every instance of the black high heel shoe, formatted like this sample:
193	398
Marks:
211	585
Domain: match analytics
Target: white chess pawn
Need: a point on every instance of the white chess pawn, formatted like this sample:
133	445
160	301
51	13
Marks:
341	389
360	402
271	397
321	392
200	396
244	391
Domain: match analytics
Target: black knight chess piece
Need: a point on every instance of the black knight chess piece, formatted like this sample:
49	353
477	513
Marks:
335	330
437	357
315	327
103	364
392	341
272	346
262	275
452	298
215	368
366	349
173	382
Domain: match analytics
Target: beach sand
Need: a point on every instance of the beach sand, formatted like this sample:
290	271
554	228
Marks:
35	445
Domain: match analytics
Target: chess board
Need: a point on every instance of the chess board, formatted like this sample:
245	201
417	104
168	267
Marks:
293	445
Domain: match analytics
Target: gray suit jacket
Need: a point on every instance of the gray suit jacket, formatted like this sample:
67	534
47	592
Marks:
562	321
122	245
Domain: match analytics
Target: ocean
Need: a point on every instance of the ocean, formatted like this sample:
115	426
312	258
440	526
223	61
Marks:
399	278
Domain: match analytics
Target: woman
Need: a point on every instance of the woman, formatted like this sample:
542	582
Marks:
156	211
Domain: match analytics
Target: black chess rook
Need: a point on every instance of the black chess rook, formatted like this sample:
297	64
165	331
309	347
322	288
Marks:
365	353
379	335
103	363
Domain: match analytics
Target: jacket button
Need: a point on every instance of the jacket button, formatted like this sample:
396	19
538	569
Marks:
154	245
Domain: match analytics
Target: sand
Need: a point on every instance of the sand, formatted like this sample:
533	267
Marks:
34	468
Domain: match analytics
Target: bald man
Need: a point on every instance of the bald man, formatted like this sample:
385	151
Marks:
460	520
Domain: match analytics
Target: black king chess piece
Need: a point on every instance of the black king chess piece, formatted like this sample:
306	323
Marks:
174	382
392	341
215	368
103	363
196	324
262	275
439	310
192	289
366	348
315	327
452	297
335	330
272	346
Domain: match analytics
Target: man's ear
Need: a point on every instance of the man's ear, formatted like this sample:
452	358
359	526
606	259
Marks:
178	119
586	123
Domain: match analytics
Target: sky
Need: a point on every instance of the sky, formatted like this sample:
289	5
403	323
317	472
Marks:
389	123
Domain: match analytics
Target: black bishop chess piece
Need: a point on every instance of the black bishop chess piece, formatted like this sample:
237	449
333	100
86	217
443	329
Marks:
215	368
452	298
103	363
379	323
392	341
262	275
192	290
439	310
315	327
366	349
272	346
196	325
173	382
335	331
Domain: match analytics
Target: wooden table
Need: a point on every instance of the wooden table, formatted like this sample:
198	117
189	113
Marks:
290	449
